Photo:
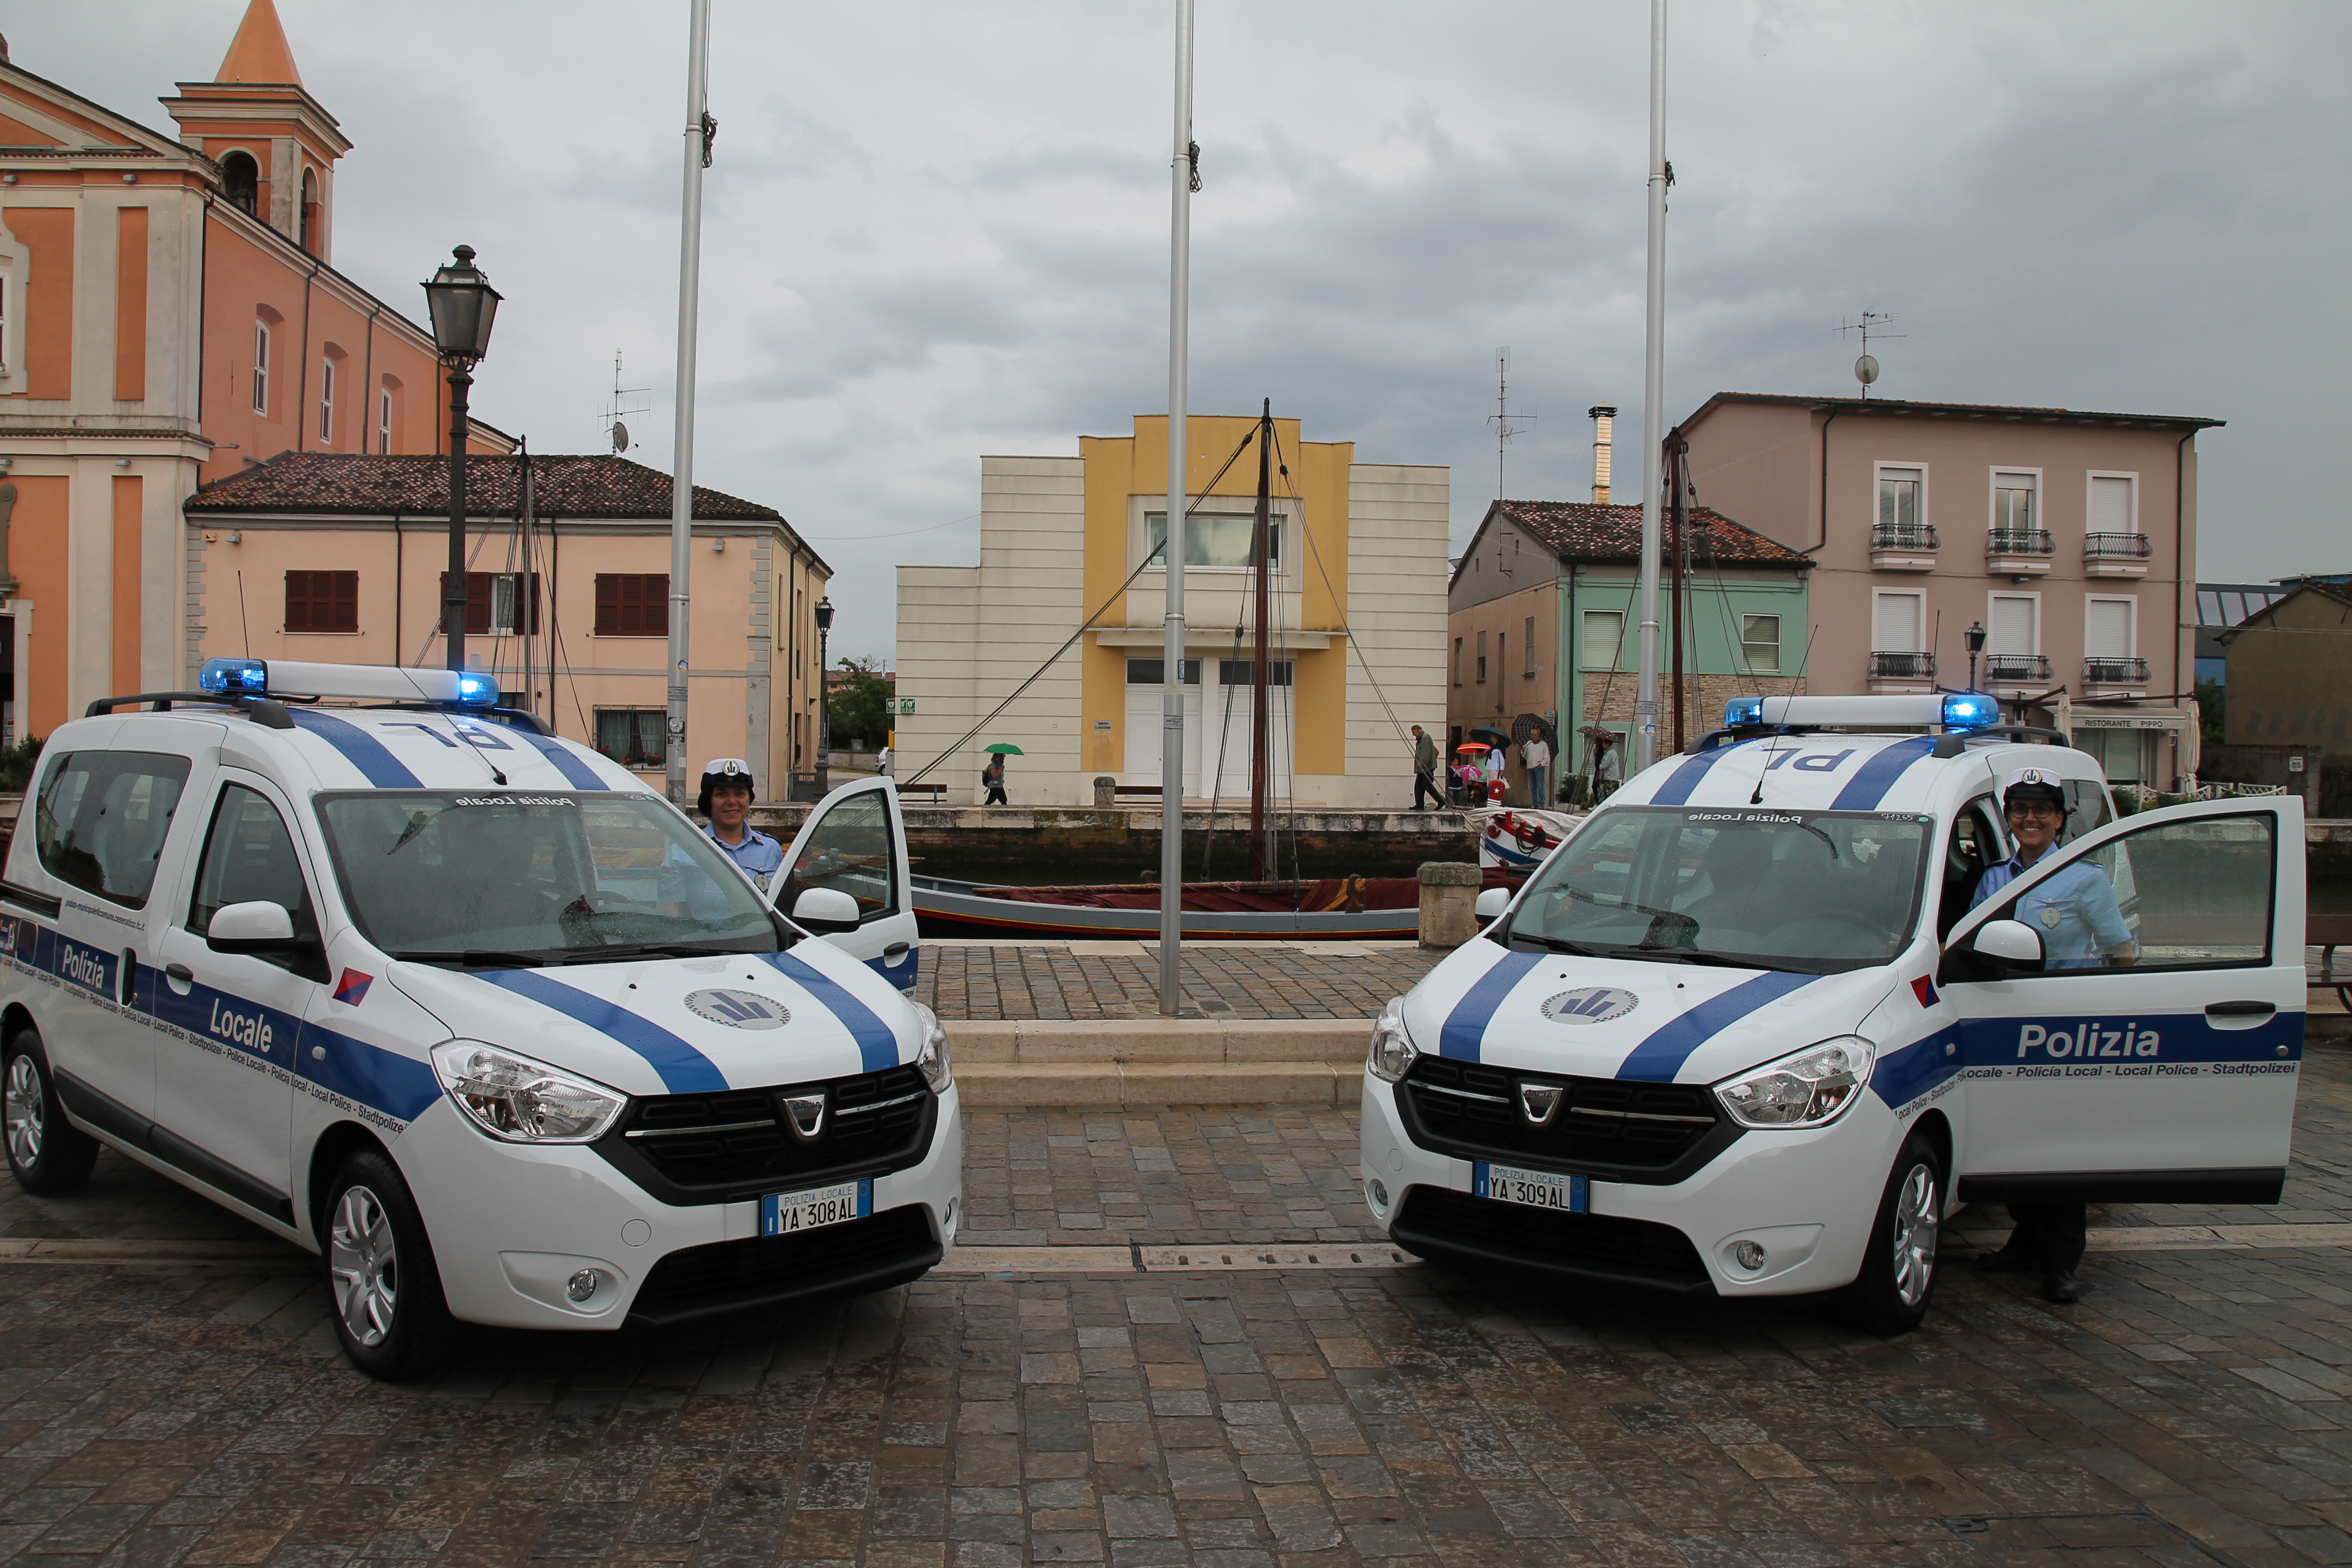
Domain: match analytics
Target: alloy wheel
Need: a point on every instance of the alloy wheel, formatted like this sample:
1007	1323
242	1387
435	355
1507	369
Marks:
1915	1236
364	1260
27	1112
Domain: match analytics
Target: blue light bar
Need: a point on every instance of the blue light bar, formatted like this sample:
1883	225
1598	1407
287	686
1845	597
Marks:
478	691
1742	710
240	677
1970	711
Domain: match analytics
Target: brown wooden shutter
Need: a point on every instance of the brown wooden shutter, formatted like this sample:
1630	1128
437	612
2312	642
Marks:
322	601
632	604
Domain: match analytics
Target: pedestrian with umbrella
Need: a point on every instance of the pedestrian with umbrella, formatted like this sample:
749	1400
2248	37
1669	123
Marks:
991	777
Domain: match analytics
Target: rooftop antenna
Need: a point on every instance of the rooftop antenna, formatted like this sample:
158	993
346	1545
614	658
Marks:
1506	422
610	422
1865	369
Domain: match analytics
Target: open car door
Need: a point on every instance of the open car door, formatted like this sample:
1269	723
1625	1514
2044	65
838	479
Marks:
2131	1011
855	844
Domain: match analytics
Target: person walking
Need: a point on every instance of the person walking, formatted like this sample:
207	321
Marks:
1537	756
1425	770
992	778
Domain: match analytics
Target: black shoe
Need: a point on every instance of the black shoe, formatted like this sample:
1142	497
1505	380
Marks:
2007	1261
2061	1286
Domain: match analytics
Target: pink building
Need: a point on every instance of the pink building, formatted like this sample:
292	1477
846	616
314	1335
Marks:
2069	537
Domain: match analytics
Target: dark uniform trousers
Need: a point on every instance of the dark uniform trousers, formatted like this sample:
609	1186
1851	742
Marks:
2050	1235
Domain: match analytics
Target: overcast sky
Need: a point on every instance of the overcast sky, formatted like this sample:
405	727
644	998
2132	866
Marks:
935	231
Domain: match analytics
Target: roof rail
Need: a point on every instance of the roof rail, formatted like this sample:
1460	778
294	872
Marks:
1953	744
269	715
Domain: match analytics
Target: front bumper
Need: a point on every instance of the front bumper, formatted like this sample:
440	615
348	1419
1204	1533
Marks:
1807	1198
513	1225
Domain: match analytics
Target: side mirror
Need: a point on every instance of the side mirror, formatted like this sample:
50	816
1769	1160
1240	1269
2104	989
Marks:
826	909
1999	948
258	926
1491	903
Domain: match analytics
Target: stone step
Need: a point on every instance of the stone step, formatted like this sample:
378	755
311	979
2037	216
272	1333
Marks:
1155	1086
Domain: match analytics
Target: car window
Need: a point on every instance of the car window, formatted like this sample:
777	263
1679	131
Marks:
849	849
1975	843
248	856
2086	807
102	819
2176	894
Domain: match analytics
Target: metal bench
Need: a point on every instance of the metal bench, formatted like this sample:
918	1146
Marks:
934	793
2328	932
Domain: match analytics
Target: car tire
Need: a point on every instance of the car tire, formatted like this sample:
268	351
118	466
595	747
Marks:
46	1155
384	1289
1897	1281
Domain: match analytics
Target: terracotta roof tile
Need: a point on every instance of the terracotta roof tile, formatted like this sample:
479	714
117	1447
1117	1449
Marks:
598	485
1584	530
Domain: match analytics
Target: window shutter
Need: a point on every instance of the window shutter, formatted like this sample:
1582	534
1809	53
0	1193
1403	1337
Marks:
1898	624
2111	506
632	604
2110	633
2012	625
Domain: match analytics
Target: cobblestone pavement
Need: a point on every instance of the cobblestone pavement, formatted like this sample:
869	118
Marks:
2196	1409
1241	980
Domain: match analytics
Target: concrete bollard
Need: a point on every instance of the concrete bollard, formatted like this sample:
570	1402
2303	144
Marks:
1449	898
1105	793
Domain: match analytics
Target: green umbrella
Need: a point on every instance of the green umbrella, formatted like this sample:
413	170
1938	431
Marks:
1005	749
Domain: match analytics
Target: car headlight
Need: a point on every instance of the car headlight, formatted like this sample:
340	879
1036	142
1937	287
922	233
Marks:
1811	1088
523	1102
1392	1050
932	1060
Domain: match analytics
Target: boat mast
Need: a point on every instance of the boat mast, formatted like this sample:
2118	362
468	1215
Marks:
1654	397
1260	555
1181	173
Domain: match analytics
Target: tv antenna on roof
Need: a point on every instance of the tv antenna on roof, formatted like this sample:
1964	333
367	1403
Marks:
1506	422
611	421
1865	369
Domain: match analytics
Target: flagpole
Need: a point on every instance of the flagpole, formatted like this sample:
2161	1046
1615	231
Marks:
681	484
1172	673
1654	398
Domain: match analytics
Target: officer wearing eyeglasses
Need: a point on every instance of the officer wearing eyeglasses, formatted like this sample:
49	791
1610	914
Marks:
2082	927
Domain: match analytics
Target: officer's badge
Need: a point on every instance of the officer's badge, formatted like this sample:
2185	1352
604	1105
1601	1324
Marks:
2051	915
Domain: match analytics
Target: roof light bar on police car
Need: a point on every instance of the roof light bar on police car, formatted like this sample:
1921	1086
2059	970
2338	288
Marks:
1921	710
286	678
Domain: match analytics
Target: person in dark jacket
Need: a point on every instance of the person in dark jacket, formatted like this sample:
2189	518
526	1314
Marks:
992	778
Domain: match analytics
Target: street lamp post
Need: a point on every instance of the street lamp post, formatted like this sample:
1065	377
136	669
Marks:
823	699
1975	638
463	305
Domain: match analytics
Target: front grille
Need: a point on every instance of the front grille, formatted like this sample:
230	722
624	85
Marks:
1456	1227
741	1144
855	1256
1624	1131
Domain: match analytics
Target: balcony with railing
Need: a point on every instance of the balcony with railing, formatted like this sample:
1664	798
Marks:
2016	668
2116	554
2019	552
1903	547
1902	672
2103	669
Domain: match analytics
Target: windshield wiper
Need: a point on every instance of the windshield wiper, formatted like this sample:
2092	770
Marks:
1559	944
649	950
1683	955
475	958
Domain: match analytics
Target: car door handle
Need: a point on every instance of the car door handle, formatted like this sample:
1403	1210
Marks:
2240	1009
181	973
897	951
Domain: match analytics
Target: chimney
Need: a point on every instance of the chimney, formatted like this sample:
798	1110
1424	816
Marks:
1604	418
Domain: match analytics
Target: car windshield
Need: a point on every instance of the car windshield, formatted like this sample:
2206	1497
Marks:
1814	891
502	880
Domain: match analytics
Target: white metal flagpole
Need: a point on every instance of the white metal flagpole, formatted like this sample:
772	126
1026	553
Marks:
1172	674
698	128
1653	400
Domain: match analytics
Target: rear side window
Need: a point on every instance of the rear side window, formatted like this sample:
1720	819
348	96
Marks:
2086	807
101	818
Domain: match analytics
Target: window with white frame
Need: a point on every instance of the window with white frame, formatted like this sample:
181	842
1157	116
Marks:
2016	625
1902	492
383	419
1604	639
2113	505
1759	644
2108	629
1897	619
261	367
327	401
2014	508
1214	539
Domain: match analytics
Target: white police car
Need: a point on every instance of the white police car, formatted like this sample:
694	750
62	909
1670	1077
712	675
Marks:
1742	1034
463	1007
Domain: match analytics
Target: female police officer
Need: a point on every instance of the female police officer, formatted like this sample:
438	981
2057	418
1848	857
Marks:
2082	927
726	800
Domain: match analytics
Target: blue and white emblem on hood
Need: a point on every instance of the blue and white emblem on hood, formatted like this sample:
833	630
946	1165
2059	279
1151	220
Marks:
738	1009
1590	1004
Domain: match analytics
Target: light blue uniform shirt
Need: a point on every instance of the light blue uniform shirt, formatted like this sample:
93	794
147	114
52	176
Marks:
759	858
2075	911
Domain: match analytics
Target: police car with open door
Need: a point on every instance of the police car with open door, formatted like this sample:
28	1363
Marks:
462	1005
1744	1034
